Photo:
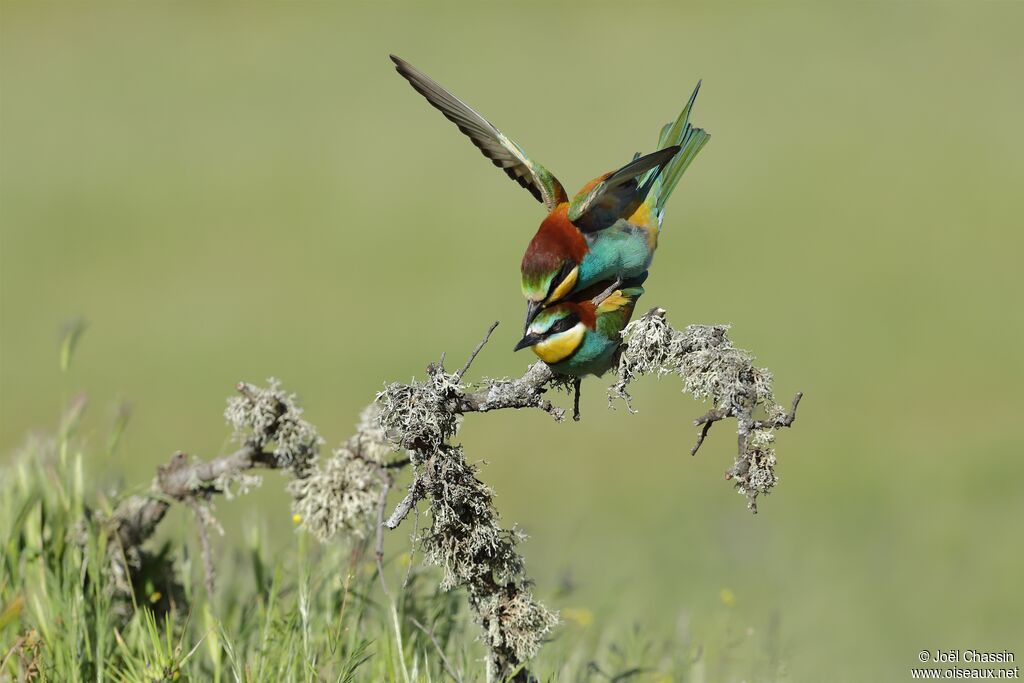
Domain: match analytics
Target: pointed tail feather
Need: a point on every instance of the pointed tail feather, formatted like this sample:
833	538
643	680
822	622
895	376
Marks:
677	129
690	140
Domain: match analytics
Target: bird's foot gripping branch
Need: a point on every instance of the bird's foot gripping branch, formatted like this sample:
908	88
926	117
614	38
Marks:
347	493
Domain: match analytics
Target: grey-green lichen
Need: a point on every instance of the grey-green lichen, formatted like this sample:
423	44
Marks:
711	369
342	494
419	417
759	476
271	417
464	538
477	554
232	484
513	621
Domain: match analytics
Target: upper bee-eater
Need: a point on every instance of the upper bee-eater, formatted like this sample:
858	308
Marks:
579	335
608	230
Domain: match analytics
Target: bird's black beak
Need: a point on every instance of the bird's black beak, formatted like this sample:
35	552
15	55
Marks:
528	340
532	309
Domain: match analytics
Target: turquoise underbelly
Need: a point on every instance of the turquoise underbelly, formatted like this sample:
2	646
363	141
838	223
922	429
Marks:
594	357
620	251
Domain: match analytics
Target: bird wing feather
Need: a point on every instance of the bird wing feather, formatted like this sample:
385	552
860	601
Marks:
619	190
494	144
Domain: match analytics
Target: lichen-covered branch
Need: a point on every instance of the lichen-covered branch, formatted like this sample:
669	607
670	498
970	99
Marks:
465	540
525	392
711	368
347	493
273	435
327	498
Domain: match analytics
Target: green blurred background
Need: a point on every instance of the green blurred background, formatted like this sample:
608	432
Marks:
232	192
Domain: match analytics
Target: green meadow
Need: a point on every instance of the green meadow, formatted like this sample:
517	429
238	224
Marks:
230	192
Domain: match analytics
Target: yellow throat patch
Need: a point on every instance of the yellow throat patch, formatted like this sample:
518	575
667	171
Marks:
560	346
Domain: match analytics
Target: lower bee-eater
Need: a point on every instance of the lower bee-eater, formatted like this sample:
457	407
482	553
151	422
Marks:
579	335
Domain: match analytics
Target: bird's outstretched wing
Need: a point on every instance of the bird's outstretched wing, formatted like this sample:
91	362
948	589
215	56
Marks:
619	193
505	153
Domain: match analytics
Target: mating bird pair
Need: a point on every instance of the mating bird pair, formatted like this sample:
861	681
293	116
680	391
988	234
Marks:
584	269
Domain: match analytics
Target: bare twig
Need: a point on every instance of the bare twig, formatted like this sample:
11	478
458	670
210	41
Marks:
525	392
414	496
437	646
204	546
708	419
700	437
469	361
378	546
784	421
412	550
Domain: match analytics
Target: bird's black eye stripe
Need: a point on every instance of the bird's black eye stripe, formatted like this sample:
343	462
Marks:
566	323
562	274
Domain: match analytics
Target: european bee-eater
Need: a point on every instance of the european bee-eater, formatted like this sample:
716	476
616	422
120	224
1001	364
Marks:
609	230
579	336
